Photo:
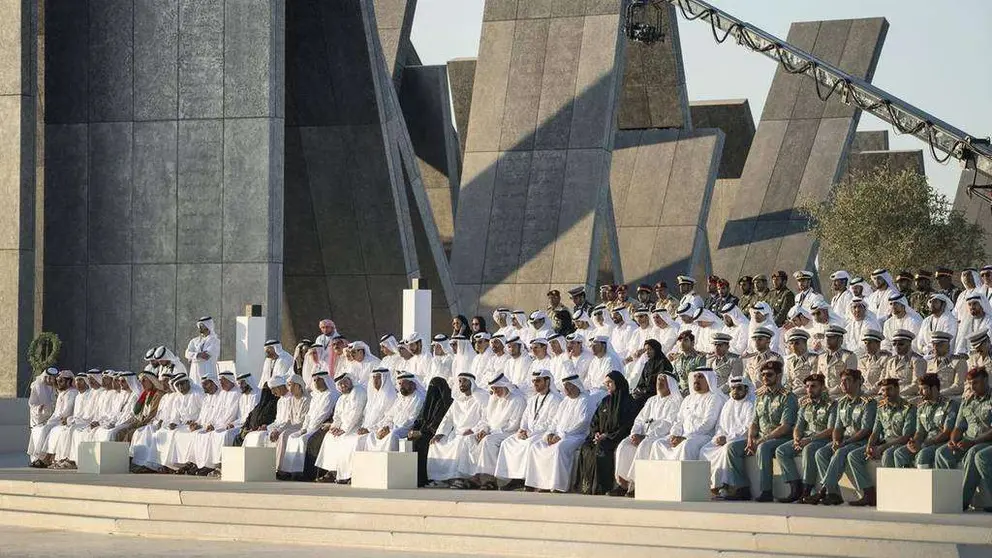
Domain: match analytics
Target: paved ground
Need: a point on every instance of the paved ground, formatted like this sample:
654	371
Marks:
38	543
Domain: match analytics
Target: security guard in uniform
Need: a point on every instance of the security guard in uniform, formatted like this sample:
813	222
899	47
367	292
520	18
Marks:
920	300
780	298
761	337
774	418
748	296
812	432
971	439
852	425
895	424
950	368
799	361
935	418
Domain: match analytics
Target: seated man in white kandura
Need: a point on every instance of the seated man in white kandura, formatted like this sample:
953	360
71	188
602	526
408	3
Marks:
84	410
105	409
696	421
539	413
123	411
652	424
735	420
549	463
395	424
185	411
338	447
448	457
322	400
65	401
192	448
290	412
500	421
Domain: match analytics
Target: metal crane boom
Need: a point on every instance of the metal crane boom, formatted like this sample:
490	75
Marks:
975	152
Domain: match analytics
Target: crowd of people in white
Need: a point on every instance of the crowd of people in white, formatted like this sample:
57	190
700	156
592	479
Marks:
563	399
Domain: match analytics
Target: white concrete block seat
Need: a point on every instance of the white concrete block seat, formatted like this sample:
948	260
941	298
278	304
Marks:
466	522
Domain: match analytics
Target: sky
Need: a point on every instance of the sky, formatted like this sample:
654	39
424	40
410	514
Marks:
936	59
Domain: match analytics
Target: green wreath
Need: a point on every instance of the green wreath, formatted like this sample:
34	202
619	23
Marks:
43	352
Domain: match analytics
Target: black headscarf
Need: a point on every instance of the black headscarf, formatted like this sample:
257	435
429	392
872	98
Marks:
613	420
464	329
436	404
262	415
655	365
563	322
482	324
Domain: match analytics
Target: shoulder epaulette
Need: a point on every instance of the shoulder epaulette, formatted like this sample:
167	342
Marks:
883	352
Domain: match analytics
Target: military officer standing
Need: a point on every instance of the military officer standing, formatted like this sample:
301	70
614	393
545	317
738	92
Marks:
905	366
748	296
665	300
780	298
812	432
853	423
761	292
945	284
687	291
971	439
774	419
920	299
895	424
949	368
799	362
762	338
579	302
871	362
935	418
835	359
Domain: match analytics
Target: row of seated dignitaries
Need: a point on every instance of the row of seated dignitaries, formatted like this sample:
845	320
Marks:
480	422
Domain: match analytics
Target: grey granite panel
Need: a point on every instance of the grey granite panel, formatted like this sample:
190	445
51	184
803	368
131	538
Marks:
758	169
506	220
200	191
385	296
109	193
111	65
872	140
763	250
156	50
796	250
349	296
864	46
534	8
829	47
198	293
489	93
523	90
153	312
306	303
693	177
475	205
249	148
17	319
15	48
724	192
823	166
249	58
65	312
66	182
673	254
784	91
975	209
653	93
461	79
623	162
347	53
554	116
650	180
602	7
585	188
540	228
499	10
201	58
567	8
154	205
596	85
734	118
250	283
66	52
636	247
310	93
795	151
302	241
108	316
895	161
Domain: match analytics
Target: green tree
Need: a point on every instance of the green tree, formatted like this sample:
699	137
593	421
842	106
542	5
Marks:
894	220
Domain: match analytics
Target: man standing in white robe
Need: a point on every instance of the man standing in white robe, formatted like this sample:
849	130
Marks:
462	356
419	364
696	421
549	462
385	434
501	419
540	359
861	321
840	302
977	319
735	420
538	326
653	423
106	393
65	400
338	447
320	409
665	331
441	361
277	363
538	416
203	351
482	364
878	300
580	357
903	317
448	457
168	363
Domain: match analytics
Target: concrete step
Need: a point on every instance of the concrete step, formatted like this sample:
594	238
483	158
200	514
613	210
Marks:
14	411
13	438
350	529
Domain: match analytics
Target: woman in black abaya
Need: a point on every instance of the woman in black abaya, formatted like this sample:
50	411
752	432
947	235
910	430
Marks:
656	363
436	404
612	423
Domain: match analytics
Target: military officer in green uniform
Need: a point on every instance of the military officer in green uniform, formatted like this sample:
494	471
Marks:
686	359
895	424
945	284
812	432
775	411
852	425
761	292
920	299
935	418
781	298
747	298
971	439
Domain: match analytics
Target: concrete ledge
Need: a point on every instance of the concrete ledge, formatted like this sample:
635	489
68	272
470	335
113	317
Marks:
384	470
248	464
854	547
106	493
91	508
919	490
673	481
58	521
103	458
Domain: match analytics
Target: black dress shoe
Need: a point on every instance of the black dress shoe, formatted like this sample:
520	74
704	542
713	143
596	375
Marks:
739	494
832	499
765	496
815	498
280	475
514	484
868	499
795	493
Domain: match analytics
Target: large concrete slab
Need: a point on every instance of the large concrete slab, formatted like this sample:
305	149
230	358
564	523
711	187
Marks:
974	208
18	98
734	118
461	81
871	140
534	195
798	153
895	161
164	167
